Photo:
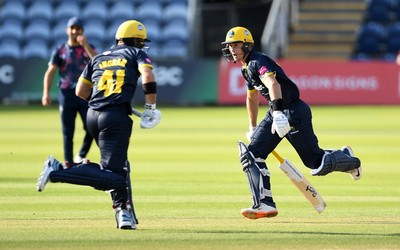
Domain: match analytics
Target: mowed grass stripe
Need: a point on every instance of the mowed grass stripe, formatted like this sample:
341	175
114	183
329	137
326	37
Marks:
189	186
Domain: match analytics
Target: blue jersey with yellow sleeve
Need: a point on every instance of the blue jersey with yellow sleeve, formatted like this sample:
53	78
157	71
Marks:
113	75
259	65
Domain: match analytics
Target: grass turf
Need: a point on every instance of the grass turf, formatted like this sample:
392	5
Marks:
189	186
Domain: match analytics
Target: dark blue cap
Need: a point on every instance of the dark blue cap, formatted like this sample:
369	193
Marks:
75	21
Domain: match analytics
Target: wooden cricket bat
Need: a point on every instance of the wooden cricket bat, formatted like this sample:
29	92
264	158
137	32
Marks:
301	183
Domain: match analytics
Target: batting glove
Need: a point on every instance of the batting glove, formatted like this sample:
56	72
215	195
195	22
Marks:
151	117
280	124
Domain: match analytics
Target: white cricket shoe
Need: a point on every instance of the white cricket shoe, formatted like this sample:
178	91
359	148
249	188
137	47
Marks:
355	173
262	211
124	219
80	160
50	165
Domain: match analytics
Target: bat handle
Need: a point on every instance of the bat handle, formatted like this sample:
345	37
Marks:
278	157
136	113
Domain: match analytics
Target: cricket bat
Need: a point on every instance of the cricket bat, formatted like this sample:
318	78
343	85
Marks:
301	183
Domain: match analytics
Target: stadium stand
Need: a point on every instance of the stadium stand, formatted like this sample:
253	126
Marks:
44	21
35	48
378	37
41	9
12	10
10	48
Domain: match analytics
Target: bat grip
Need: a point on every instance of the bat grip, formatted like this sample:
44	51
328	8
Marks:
278	157
136	113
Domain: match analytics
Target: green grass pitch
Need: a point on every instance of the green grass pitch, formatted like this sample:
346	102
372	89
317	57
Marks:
189	186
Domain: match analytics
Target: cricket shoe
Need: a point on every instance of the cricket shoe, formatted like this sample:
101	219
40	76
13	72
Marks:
50	165
260	212
355	173
124	219
80	160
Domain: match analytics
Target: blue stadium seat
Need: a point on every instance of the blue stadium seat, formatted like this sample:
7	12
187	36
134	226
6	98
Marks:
174	49
176	29
95	30
175	10
149	9
153	29
41	9
393	29
111	30
35	48
373	29
66	9
10	48
361	57
393	44
59	31
390	57
38	29
154	50
122	10
95	9
13	10
379	13
369	45
12	28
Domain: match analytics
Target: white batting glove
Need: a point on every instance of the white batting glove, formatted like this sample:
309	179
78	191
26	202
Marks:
249	134
151	117
280	124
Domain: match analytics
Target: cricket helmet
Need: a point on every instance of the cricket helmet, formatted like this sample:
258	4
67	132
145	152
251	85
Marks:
238	34
132	29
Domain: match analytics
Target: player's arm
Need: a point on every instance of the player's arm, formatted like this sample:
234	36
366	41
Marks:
47	82
84	88
274	88
252	103
151	116
280	123
149	84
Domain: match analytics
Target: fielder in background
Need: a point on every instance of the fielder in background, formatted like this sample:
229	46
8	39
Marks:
109	82
70	58
288	117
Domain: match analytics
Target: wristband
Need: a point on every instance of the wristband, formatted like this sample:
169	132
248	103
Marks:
149	88
150	106
277	104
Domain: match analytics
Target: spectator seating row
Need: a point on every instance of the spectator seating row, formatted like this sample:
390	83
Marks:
42	24
378	37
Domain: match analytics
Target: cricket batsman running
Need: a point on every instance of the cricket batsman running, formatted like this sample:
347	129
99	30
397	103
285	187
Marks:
288	117
109	82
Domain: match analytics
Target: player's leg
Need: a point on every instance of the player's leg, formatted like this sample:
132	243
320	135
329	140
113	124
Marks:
90	174
258	177
68	116
130	203
115	130
262	143
302	136
305	142
88	139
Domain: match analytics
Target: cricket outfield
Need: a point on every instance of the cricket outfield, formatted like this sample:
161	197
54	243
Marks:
189	187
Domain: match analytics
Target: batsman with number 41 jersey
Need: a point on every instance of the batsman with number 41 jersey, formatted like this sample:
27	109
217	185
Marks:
288	117
108	82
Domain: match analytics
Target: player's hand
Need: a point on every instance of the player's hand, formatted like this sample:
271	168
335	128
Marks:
151	117
46	100
81	39
249	134
280	124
